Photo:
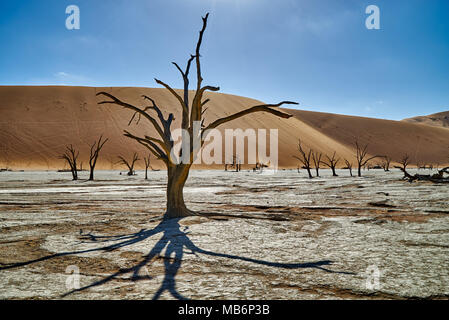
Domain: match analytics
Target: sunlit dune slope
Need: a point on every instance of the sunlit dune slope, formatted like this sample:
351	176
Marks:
38	122
440	119
424	144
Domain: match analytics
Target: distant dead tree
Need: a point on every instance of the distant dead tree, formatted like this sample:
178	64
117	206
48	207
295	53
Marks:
436	178
348	166
129	164
147	165
71	156
361	156
95	149
236	163
332	163
404	162
386	163
259	166
418	165
316	157
425	166
304	158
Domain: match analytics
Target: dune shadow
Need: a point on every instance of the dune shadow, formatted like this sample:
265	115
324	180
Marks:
176	243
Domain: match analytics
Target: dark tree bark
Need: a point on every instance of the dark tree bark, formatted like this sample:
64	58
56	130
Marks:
304	158
147	165
316	157
94	152
129	164
332	163
349	166
71	156
361	156
405	161
191	112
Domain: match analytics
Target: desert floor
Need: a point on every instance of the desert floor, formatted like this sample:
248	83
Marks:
261	236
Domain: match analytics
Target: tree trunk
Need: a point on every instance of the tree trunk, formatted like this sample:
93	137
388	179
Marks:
359	171
310	173
91	176
333	172
177	176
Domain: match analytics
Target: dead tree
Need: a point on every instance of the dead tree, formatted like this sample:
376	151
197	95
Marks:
405	161
95	149
71	156
316	157
147	165
361	156
436	178
129	164
238	165
348	166
259	166
418	165
235	164
386	163
304	158
332	163
192	122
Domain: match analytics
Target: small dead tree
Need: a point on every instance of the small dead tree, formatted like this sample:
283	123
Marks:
304	158
236	163
405	161
316	157
129	164
348	166
386	163
147	165
259	166
71	156
332	163
95	149
361	156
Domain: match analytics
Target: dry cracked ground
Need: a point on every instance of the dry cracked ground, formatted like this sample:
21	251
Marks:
259	236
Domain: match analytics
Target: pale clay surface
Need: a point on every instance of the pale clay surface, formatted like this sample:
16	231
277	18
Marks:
271	236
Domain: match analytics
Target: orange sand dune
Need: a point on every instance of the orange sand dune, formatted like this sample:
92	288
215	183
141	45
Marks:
424	144
440	119
37	122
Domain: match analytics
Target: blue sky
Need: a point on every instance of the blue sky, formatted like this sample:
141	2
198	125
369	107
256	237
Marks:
316	52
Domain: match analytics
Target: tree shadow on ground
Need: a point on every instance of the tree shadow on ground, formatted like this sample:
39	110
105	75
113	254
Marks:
174	240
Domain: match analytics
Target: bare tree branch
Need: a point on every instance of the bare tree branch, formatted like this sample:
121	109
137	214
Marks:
94	153
117	101
173	92
259	108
